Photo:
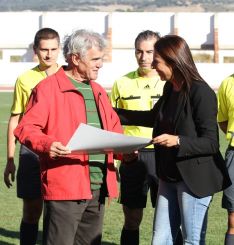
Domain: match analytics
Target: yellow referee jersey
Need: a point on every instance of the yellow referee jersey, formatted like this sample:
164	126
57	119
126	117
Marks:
133	92
226	106
23	88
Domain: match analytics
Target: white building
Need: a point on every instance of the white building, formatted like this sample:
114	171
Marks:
208	34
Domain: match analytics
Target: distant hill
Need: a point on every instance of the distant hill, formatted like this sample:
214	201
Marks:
118	5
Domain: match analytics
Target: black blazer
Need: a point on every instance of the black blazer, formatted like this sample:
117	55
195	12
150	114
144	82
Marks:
198	157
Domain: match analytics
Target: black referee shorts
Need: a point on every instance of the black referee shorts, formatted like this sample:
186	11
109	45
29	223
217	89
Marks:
28	175
136	178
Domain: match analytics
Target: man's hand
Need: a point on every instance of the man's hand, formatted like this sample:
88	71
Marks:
58	150
9	171
127	158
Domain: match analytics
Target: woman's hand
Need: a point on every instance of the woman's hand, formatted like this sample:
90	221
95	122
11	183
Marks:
166	140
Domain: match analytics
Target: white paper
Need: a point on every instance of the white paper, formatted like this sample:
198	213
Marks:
92	140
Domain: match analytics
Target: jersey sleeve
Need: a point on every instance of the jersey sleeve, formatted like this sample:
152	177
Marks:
115	96
222	103
18	98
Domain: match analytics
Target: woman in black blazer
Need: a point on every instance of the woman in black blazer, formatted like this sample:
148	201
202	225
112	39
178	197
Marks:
189	165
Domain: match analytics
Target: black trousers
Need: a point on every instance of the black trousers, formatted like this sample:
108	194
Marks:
74	222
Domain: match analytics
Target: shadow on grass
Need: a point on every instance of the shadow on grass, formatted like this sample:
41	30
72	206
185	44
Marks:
14	234
109	243
6	243
7	233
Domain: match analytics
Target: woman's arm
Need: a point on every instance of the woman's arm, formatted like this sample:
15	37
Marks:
138	118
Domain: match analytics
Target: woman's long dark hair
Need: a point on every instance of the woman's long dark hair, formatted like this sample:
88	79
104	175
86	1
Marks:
176	53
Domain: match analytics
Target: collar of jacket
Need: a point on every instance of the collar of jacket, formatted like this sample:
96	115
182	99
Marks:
65	84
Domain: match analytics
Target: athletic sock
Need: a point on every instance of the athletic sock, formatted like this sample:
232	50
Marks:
179	238
129	237
229	239
28	233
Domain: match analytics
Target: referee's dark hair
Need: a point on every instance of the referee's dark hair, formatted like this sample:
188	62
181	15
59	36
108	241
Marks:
146	35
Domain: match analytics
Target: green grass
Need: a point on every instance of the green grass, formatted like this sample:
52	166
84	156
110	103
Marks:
10	205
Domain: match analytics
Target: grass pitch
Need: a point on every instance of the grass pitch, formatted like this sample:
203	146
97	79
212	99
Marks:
10	205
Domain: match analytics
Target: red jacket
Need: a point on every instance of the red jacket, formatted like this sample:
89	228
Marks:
54	112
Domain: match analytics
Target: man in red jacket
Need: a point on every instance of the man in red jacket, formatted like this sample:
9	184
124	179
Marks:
74	187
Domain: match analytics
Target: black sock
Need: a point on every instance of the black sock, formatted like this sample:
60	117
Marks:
179	238
229	239
28	233
129	237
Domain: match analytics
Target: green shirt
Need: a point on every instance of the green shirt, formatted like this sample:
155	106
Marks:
96	161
